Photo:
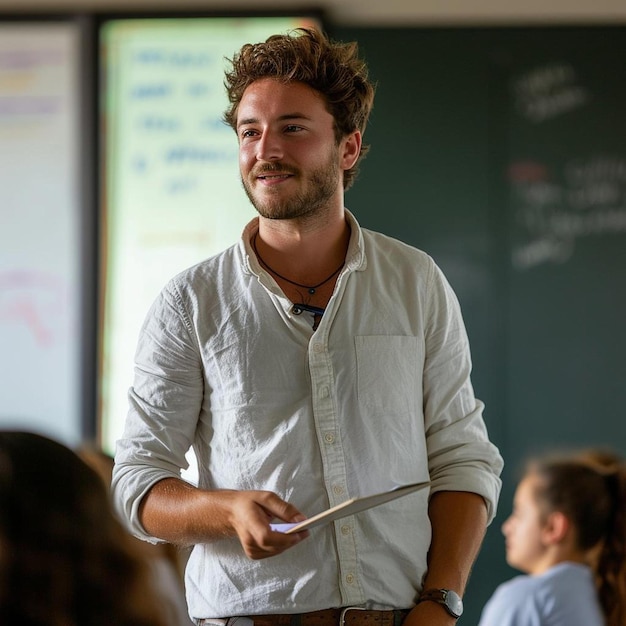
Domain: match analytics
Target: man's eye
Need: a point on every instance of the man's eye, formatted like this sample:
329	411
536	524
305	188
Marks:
293	128
247	133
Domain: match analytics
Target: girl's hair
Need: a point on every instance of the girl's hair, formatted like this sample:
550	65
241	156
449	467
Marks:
66	558
590	489
308	56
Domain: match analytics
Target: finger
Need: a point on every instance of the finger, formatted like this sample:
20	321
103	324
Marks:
262	543
264	549
277	507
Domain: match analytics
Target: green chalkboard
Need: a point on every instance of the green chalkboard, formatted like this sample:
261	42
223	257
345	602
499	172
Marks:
566	182
502	153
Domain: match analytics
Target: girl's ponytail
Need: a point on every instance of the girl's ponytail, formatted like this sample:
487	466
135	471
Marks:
610	566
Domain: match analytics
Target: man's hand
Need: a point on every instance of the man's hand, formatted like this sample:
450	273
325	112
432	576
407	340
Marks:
251	513
180	513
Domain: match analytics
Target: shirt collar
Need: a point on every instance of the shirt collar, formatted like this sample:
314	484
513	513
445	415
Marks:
355	257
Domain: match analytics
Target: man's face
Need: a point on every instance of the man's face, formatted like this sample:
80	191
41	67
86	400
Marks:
290	163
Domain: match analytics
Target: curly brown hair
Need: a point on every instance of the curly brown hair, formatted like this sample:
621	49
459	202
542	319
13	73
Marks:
304	55
67	560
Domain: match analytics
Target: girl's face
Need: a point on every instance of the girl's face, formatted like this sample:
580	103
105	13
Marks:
525	548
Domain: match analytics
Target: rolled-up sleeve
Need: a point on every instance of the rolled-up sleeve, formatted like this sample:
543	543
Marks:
164	405
460	455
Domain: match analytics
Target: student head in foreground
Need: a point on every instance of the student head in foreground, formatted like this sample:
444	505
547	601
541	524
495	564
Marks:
567	533
64	556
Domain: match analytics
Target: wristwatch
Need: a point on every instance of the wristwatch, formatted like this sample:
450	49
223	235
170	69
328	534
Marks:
450	600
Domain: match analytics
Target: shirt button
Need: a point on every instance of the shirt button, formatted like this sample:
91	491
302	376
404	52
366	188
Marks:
324	392
350	578
337	490
329	438
318	347
345	529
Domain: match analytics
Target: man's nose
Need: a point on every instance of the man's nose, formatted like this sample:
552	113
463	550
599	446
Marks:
269	147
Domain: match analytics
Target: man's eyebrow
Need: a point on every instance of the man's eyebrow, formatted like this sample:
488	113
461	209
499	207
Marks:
281	118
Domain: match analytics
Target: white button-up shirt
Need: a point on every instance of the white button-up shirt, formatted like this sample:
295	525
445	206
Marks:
379	395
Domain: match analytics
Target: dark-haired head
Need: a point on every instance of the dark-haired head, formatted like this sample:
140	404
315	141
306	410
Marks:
577	490
67	559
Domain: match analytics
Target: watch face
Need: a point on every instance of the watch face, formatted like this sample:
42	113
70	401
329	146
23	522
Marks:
453	603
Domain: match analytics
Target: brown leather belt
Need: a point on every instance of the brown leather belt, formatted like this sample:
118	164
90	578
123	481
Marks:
327	617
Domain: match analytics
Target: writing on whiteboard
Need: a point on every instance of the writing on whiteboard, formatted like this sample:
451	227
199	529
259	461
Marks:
176	145
553	209
25	89
173	58
548	91
34	300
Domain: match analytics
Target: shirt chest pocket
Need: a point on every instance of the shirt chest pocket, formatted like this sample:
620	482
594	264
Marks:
389	374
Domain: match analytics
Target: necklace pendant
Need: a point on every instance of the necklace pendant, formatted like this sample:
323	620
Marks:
311	290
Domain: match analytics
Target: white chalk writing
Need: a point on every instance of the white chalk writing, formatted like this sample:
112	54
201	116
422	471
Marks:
548	91
554	209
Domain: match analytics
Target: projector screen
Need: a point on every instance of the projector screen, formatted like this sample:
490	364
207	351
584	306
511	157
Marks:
172	194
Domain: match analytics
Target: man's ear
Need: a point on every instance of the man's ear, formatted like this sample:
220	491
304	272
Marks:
351	149
556	527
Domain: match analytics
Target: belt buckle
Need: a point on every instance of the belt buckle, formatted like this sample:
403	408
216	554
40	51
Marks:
342	615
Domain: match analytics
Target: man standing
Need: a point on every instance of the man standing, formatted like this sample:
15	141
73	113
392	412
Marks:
310	363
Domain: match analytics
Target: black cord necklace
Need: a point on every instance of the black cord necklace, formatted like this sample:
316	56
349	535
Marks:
310	288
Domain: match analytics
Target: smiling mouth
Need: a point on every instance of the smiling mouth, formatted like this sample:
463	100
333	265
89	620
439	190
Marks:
273	176
273	171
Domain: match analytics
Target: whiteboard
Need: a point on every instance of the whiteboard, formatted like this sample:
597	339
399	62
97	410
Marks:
40	291
173	195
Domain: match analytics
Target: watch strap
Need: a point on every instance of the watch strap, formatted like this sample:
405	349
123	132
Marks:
450	600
